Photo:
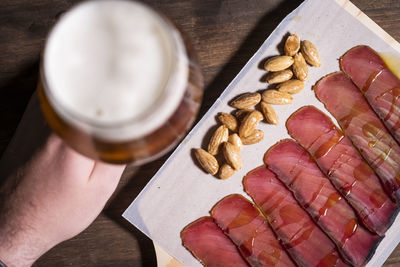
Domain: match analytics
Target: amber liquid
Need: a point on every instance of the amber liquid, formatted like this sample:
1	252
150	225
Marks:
141	150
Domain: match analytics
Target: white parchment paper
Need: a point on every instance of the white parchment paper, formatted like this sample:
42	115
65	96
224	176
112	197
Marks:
180	192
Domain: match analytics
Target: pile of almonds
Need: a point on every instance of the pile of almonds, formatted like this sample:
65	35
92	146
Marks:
288	72
229	138
240	129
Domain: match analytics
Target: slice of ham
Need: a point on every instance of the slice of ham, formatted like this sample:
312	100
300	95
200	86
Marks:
315	193
210	245
361	125
301	237
343	165
380	86
249	230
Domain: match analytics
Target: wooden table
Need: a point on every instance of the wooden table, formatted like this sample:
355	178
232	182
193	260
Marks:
225	35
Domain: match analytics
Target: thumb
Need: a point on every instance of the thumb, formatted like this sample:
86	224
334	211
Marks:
104	177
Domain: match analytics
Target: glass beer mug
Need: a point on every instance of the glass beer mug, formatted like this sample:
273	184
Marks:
118	81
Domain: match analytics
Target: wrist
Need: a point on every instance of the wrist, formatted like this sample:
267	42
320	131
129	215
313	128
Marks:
16	257
16	253
20	244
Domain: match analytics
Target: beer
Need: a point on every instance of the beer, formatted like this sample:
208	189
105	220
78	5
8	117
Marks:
118	81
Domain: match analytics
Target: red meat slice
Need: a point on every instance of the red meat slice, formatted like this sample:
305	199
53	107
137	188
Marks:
315	193
210	245
343	165
361	125
380	86
301	237
249	230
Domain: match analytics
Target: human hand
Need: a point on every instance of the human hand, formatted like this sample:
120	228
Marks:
50	198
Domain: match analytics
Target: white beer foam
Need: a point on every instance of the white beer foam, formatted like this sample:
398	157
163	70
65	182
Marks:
108	69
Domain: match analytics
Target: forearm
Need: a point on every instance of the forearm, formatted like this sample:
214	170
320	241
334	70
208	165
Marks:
20	244
17	248
15	254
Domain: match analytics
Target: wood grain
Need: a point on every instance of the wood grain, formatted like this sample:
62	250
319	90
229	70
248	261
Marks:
224	33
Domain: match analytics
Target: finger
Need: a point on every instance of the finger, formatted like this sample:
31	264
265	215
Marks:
105	177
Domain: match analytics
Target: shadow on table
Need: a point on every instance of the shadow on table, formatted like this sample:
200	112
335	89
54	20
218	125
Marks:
134	179
132	182
14	99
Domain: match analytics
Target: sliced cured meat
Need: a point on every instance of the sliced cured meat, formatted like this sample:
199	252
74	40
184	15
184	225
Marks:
249	230
315	193
301	237
210	245
361	125
344	166
380	86
360	63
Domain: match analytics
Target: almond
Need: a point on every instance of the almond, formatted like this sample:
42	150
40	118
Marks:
269	113
226	171
232	156
207	161
292	45
300	68
275	97
255	137
241	113
278	63
279	76
249	123
258	115
246	100
292	86
235	140
310	53
220	135
229	121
